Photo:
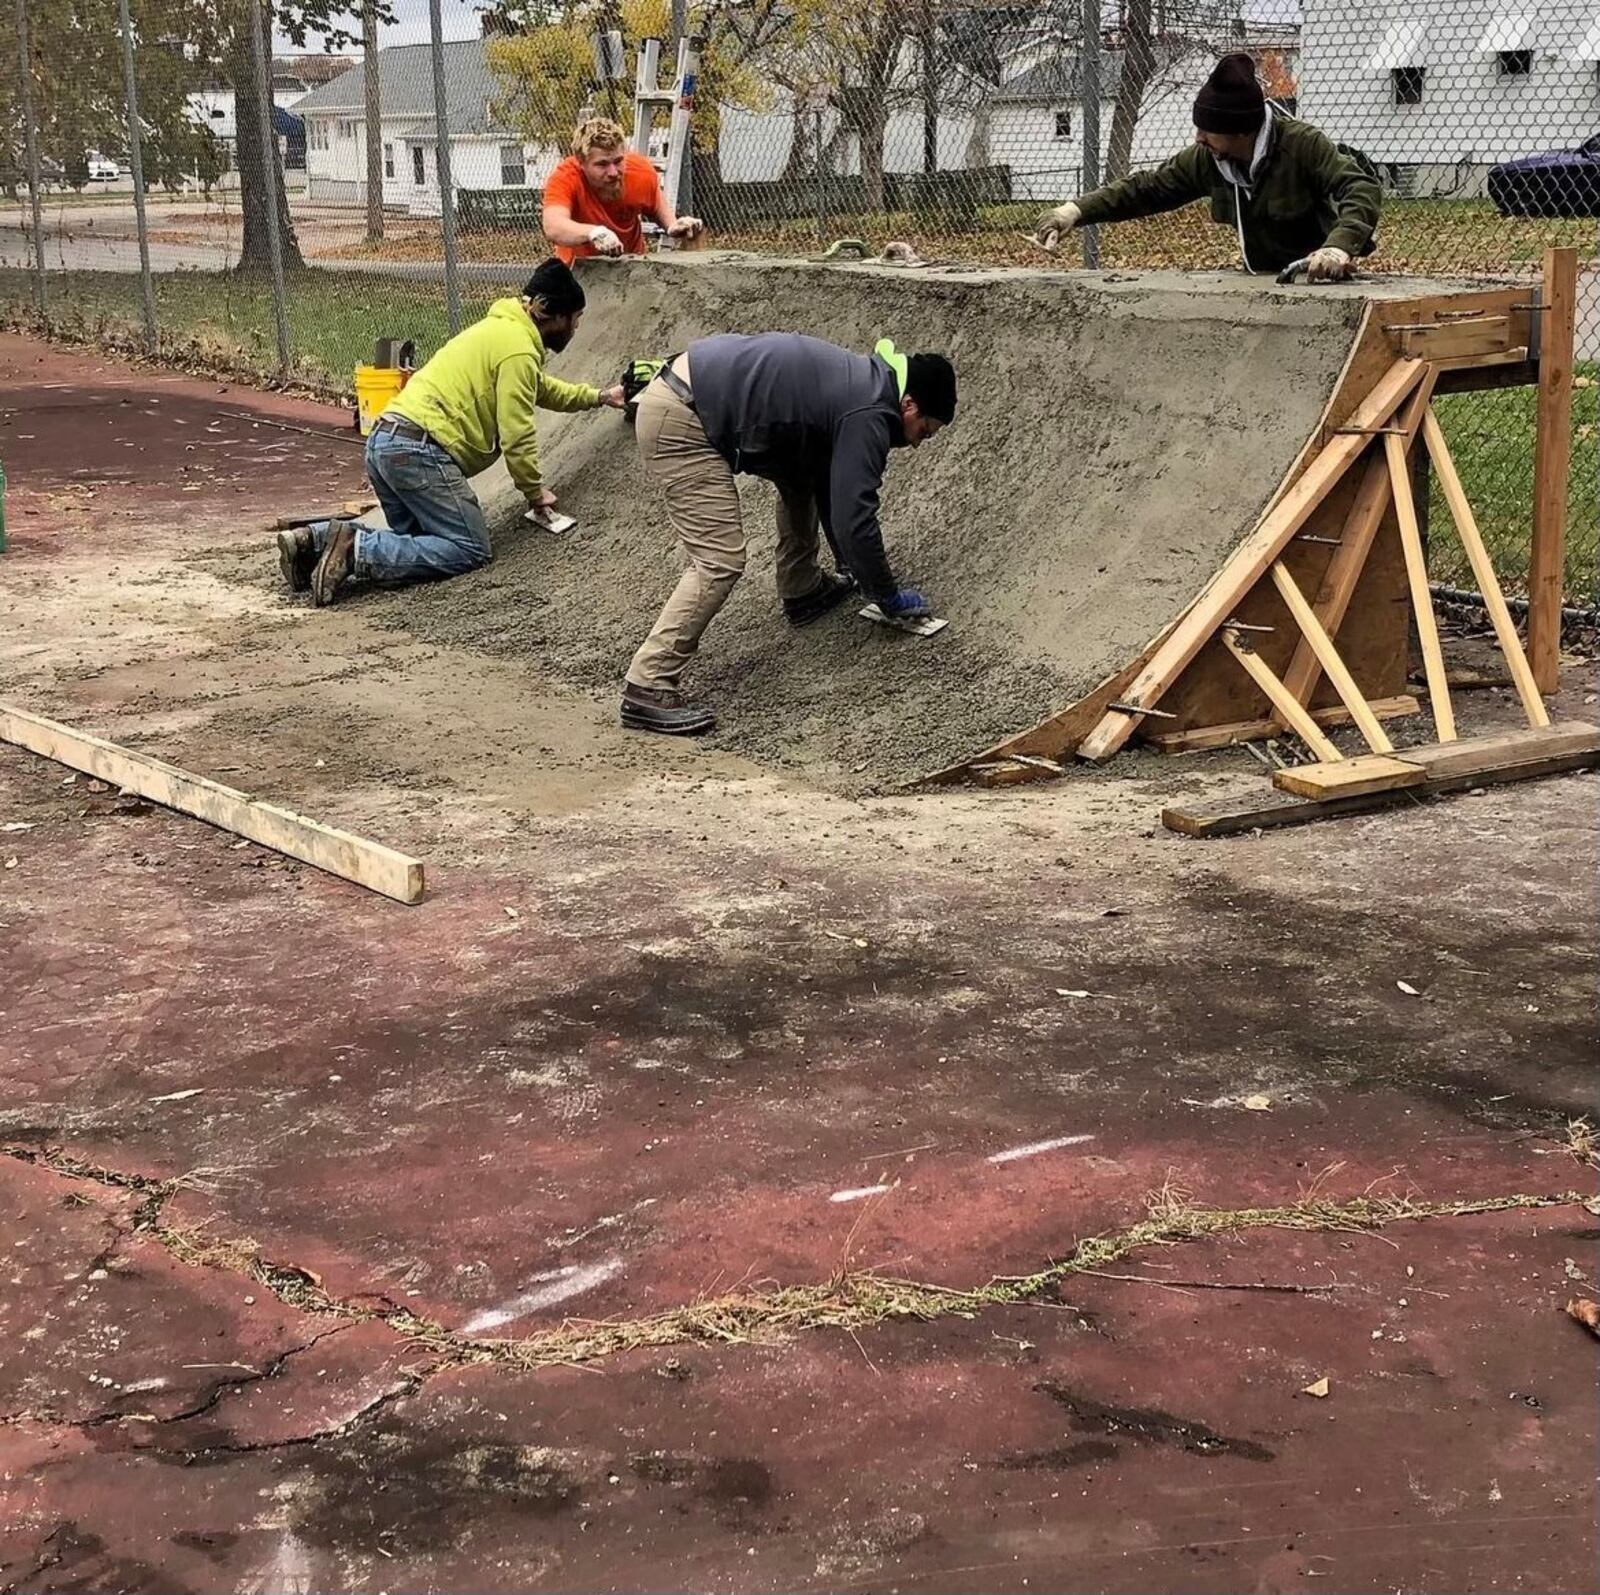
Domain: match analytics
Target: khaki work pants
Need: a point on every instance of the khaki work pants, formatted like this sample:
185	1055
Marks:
703	506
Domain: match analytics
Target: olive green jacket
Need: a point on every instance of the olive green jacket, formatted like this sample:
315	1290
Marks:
1305	193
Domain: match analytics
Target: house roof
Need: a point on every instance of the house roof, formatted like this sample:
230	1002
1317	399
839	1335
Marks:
405	87
1057	80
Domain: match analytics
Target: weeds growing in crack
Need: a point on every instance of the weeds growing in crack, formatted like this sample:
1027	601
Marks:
857	1301
1583	1143
852	1300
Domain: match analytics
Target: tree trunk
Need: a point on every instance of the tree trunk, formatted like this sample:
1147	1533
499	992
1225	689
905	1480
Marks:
369	67
800	162
255	252
1138	67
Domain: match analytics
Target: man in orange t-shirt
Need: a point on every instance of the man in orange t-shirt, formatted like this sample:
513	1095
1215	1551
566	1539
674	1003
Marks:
596	198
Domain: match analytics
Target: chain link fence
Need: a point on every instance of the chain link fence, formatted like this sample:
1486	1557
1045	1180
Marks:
267	192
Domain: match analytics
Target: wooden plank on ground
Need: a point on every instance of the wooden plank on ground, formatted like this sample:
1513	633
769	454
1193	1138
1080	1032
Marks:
1261	808
1474	756
1552	460
1369	772
353	858
1249	562
1483	571
1294	715
1201	738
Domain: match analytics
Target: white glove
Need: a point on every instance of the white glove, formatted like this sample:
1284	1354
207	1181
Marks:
687	227
605	241
1050	226
1328	264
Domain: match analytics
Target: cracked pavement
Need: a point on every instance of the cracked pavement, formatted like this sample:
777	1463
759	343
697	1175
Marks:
284	1164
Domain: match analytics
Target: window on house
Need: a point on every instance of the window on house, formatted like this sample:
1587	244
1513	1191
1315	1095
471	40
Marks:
1408	82
388	160
1063	124
513	168
419	172
1515	63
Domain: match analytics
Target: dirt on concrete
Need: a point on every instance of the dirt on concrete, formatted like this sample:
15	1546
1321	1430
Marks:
1115	438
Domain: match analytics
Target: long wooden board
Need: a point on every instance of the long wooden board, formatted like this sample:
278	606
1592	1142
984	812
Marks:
353	858
1566	747
1250	560
1234	732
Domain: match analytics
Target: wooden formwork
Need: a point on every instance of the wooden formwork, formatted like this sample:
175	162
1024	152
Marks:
1307	623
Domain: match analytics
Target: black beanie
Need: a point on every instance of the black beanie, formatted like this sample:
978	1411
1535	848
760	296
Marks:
553	284
931	381
1230	100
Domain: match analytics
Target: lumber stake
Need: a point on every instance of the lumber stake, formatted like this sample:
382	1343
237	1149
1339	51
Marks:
1552	461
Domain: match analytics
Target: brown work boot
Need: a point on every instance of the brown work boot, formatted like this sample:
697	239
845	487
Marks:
666	710
297	557
336	565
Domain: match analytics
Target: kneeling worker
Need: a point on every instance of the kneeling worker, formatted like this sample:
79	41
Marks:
1287	190
473	400
816	420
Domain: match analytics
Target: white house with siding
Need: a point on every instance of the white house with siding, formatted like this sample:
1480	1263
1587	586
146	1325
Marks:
484	153
1441	90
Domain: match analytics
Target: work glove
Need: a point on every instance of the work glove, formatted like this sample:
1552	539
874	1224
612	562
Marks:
907	604
687	227
605	241
1050	226
1327	264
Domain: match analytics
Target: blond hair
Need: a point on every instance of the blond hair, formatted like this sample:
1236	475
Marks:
598	133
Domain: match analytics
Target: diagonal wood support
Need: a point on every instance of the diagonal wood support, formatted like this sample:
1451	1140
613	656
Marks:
1483	570
1251	560
1295	716
1321	645
1416	557
1360	532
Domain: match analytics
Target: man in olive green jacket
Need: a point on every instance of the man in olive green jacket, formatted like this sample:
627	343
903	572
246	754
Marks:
1287	190
475	399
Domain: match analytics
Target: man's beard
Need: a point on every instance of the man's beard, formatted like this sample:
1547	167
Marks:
555	342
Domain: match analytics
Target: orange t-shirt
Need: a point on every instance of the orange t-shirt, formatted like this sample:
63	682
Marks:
641	193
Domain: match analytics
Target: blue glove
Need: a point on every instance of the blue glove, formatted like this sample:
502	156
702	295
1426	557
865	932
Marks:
907	604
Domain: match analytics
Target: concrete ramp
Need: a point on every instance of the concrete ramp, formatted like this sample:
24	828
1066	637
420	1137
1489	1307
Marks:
1116	436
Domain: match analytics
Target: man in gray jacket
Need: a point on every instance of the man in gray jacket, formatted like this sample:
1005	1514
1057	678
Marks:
816	420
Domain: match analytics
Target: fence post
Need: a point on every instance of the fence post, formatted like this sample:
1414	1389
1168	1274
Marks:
269	177
31	140
684	199
441	167
147	287
1552	460
1089	107
821	197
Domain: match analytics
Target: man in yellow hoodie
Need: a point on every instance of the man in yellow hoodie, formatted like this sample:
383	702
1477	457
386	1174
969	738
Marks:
473	400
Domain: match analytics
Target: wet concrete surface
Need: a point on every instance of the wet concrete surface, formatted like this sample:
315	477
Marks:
290	1173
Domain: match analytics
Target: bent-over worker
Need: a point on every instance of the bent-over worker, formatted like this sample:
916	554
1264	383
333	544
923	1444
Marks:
473	400
1287	190
595	201
816	420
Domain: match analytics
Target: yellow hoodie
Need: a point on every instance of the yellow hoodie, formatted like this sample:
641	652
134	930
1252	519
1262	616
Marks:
477	395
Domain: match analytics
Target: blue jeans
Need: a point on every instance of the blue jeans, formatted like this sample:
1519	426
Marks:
436	526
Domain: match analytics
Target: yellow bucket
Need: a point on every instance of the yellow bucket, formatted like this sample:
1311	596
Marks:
375	387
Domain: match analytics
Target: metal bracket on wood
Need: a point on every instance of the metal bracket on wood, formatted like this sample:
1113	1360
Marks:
1134	708
1311	537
